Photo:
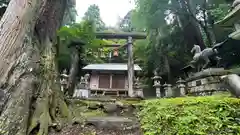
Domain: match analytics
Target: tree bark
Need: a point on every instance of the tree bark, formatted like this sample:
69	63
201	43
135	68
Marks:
27	67
192	33
208	35
73	71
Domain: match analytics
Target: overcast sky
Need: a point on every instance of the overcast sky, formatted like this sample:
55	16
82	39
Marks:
110	10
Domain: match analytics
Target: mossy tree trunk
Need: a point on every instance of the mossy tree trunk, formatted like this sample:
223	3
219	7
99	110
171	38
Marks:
28	72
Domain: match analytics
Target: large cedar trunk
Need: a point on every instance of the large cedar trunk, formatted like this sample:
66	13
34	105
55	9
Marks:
28	73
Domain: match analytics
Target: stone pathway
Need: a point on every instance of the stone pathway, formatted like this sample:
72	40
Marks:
111	122
122	122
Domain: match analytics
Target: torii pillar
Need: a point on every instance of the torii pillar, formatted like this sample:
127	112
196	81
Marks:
130	67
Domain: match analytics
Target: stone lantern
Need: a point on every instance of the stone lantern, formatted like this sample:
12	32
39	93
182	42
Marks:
181	86
157	84
86	80
168	90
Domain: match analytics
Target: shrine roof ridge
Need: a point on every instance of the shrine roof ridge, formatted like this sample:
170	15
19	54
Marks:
110	66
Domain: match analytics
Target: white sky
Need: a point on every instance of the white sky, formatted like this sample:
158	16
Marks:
110	10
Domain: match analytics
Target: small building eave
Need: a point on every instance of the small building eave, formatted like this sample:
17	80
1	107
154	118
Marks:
110	67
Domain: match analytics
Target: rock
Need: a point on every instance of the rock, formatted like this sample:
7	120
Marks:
110	122
111	108
95	106
56	126
233	82
119	104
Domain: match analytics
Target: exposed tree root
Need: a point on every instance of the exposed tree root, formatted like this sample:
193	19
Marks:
51	108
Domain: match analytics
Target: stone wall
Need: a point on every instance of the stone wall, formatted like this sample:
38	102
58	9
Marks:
205	86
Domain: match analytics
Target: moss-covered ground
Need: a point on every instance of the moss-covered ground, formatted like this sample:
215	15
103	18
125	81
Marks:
211	115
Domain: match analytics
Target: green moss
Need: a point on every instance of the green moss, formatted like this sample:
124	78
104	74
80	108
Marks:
81	111
95	113
84	102
212	115
129	102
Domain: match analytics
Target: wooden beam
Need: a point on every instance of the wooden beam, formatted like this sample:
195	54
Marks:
113	45
76	43
125	35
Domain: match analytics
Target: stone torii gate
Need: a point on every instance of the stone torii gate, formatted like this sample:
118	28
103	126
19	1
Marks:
129	37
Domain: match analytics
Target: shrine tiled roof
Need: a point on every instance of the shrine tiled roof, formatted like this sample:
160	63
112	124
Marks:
110	66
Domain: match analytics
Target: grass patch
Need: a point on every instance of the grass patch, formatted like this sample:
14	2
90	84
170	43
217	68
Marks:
129	102
80	110
84	102
211	115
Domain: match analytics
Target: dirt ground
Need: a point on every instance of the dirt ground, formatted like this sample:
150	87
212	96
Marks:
90	130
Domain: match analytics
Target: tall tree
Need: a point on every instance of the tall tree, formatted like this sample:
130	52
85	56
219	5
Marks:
93	14
75	39
173	27
125	23
28	72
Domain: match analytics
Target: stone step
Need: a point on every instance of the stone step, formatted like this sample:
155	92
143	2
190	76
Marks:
113	122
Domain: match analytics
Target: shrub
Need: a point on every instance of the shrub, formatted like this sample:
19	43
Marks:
212	115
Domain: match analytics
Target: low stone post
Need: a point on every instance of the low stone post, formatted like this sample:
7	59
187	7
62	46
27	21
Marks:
82	89
64	80
138	89
87	83
86	80
165	86
80	86
181	86
157	84
168	90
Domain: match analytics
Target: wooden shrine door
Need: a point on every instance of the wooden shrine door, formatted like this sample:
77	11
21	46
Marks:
118	81
104	81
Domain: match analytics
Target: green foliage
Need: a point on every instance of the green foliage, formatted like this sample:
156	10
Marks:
4	2
93	14
151	12
173	28
213	115
136	24
70	13
85	32
219	11
69	16
165	38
